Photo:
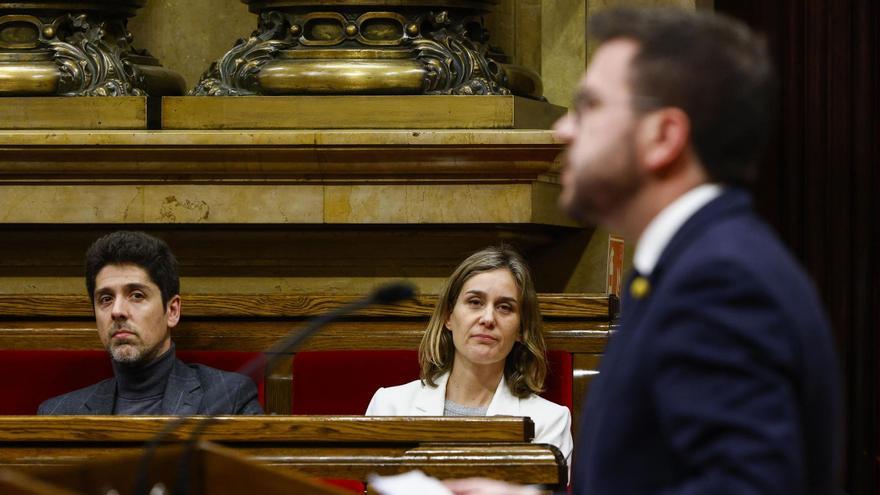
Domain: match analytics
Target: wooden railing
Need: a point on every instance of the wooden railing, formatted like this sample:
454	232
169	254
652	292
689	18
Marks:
346	447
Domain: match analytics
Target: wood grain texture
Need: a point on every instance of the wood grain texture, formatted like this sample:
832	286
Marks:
127	112
267	429
309	155
256	336
521	463
279	387
211	469
373	112
15	483
587	306
585	367
345	447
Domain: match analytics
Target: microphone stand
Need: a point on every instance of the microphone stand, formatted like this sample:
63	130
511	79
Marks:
387	294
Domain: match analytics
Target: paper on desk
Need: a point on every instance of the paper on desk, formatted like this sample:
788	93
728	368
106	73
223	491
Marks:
407	484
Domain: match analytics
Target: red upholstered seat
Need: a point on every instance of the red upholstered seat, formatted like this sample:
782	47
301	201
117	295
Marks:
342	382
27	378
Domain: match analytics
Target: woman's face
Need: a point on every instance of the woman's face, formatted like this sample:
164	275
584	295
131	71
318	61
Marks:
485	321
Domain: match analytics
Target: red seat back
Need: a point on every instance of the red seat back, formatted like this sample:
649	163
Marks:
27	378
343	382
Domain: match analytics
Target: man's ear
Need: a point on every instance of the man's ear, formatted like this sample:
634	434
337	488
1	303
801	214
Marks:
172	312
664	136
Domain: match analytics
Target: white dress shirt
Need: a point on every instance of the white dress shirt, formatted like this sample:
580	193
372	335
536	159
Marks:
663	227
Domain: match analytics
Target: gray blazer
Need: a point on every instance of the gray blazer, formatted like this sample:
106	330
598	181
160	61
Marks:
191	389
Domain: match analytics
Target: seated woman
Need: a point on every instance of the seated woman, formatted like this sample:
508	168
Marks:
483	352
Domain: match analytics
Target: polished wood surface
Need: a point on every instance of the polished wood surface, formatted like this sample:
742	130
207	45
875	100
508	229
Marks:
348	447
587	306
311	155
15	483
255	336
29	112
357	112
208	468
267	429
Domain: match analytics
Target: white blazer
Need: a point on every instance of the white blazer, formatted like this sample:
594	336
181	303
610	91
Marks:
552	421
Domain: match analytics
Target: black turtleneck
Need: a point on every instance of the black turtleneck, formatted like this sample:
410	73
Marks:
139	389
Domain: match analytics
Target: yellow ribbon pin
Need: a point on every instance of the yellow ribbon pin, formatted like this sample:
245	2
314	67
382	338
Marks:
640	287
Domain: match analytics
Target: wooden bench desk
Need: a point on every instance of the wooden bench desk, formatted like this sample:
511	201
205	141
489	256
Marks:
345	447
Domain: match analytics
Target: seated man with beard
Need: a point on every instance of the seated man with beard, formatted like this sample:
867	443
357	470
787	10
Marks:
133	284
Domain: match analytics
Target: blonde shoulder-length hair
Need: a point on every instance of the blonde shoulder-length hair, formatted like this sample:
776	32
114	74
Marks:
525	368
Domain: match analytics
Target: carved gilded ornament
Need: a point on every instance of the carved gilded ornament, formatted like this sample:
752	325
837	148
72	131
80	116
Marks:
76	48
351	47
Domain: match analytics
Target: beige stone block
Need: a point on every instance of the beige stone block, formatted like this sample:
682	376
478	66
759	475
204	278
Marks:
55	112
414	204
161	204
501	23
187	36
545	198
528	34
233	204
563	55
71	204
365	204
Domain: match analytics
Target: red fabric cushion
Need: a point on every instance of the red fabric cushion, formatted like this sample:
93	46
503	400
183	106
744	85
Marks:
343	382
27	378
350	485
559	379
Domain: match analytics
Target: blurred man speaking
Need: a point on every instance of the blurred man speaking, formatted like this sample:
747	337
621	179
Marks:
722	377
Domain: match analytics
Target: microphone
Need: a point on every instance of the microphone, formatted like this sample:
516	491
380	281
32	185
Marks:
386	295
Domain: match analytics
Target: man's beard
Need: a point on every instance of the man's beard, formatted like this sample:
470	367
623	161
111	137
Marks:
127	353
130	352
595	197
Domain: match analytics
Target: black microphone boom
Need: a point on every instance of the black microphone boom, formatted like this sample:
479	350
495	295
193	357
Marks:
386	294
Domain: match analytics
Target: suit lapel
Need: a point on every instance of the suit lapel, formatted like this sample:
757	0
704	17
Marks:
503	402
732	202
102	399
638	293
183	393
431	401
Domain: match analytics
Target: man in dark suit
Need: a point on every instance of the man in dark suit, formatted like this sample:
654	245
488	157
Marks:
132	281
722	376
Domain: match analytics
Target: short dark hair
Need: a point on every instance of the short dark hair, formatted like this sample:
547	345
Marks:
712	67
137	248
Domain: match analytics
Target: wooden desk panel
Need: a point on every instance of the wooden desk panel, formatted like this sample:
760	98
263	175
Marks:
347	447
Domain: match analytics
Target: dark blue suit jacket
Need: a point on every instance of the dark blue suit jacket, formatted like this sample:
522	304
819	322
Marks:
191	389
722	379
